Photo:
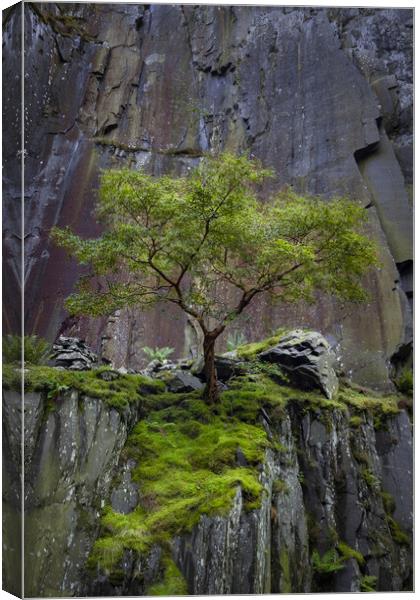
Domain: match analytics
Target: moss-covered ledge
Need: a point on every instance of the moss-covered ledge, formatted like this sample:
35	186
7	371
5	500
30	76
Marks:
119	392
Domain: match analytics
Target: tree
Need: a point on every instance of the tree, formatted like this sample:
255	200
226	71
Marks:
180	240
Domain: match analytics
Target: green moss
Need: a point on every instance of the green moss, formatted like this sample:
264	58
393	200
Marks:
250	351
246	398
389	503
370	479
361	456
398	535
373	403
368	583
182	476
355	421
329	563
280	487
11	377
404	382
65	25
173	583
347	553
286	584
118	393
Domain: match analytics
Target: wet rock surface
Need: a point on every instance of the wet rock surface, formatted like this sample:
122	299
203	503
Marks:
307	359
302	89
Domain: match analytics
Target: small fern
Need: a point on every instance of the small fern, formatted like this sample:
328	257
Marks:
35	349
159	354
235	340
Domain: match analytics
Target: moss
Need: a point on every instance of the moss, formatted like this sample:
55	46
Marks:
250	351
173	583
286	584
398	535
355	421
360	456
314	528
404	382
370	402
370	479
389	503
280	487
368	583
347	553
11	377
246	398
182	476
328	563
65	25
118	393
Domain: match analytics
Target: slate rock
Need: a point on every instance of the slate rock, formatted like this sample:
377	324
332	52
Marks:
182	381
226	367
73	353
307	358
124	498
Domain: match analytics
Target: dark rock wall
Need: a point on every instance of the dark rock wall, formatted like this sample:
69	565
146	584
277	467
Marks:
11	295
324	96
74	451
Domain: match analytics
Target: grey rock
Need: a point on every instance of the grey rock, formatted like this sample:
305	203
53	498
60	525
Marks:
182	381
226	367
124	498
72	353
314	489
296	123
109	375
306	357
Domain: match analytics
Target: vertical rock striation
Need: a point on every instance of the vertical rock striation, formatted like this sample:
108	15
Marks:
328	483
321	95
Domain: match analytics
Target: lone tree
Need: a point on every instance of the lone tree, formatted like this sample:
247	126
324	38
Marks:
181	240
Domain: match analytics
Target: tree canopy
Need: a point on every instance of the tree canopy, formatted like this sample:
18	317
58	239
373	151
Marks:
183	239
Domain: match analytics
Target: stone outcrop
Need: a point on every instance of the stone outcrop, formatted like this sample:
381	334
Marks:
327	482
72	353
307	359
323	96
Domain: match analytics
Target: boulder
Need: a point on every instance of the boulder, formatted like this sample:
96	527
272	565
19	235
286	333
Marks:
109	375
72	353
182	381
226	367
307	358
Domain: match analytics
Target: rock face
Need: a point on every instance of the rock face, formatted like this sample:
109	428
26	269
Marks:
308	360
73	354
327	481
323	96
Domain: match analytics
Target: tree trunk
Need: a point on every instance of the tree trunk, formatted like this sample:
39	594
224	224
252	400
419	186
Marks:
211	393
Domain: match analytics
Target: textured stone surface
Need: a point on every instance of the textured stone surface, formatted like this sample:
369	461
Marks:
307	359
74	354
316	492
71	454
226	367
181	381
302	89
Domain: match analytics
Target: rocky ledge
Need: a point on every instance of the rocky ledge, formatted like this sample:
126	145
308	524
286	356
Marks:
133	489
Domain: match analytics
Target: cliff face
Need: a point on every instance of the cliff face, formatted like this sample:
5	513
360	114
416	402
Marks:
334	510
321	95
